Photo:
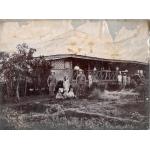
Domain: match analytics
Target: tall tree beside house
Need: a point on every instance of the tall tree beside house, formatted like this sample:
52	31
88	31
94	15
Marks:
16	68
40	70
3	57
26	53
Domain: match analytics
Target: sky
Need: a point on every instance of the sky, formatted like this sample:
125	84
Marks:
110	39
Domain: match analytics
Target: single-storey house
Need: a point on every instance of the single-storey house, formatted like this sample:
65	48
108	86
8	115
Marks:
65	64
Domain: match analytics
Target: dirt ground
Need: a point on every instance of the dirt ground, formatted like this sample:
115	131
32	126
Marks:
111	110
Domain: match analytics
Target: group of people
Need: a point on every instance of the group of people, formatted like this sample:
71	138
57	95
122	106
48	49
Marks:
129	81
64	89
123	80
60	89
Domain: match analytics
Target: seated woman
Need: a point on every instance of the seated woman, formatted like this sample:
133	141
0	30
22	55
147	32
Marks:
58	85
69	94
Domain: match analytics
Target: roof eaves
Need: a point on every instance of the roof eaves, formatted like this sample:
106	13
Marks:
62	56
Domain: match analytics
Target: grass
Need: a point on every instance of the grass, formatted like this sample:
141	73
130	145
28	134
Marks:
120	111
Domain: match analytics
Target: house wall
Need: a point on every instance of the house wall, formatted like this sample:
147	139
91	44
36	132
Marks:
65	67
62	67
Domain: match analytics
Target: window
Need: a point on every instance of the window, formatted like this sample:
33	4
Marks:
67	65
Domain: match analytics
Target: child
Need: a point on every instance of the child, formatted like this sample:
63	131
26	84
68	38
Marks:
59	94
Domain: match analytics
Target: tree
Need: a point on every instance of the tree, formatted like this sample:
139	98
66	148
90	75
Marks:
27	54
40	70
16	68
20	66
3	56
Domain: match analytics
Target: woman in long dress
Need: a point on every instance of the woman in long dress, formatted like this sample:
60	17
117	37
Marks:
66	84
90	80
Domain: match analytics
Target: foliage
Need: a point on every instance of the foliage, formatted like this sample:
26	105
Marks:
3	56
40	66
15	68
40	69
21	66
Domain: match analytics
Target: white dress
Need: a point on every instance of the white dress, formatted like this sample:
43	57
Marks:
66	85
71	94
90	80
119	78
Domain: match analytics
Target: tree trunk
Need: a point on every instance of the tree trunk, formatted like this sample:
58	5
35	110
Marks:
8	89
17	91
39	84
25	90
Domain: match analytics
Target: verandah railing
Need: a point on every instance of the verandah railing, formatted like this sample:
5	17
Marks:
105	75
100	75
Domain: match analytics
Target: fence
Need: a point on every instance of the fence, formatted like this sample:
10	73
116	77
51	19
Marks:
106	75
102	75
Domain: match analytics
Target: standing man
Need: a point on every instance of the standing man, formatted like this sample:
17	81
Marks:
119	79
94	78
128	80
81	82
124	80
51	82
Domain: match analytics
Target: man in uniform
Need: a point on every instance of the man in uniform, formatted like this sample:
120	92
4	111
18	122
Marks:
51	82
81	82
124	80
119	79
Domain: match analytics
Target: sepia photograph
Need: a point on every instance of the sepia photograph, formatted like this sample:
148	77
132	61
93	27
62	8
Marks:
74	74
